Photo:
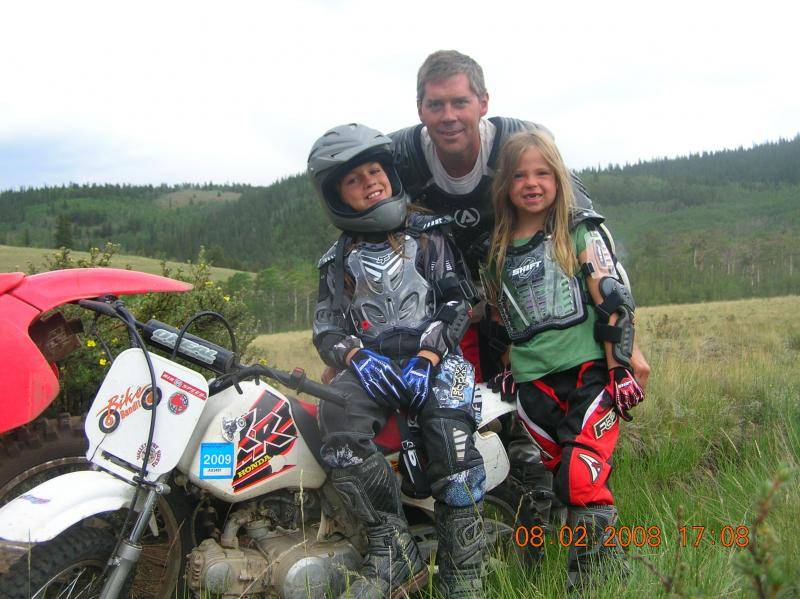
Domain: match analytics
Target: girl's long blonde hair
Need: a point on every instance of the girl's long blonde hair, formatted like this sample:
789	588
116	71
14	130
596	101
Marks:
505	214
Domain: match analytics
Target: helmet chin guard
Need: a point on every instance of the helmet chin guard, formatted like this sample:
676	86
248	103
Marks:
340	150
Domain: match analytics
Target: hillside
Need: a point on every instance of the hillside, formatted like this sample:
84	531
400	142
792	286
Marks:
718	225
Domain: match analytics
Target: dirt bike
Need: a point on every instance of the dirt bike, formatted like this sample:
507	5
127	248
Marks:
222	476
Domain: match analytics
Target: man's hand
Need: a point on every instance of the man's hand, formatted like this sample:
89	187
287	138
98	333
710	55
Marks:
381	378
624	390
417	375
641	369
504	383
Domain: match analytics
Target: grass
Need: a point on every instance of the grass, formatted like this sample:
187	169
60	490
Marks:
715	444
14	259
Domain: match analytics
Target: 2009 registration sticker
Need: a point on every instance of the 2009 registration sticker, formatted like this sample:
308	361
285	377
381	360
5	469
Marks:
216	460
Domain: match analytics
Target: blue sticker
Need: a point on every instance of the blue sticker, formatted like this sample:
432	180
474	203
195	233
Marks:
216	460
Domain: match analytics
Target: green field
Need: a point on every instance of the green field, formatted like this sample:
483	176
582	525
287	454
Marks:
715	444
13	259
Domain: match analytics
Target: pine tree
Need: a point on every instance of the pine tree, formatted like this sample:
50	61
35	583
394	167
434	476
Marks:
63	232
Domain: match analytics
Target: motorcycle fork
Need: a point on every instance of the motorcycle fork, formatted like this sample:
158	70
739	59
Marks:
129	550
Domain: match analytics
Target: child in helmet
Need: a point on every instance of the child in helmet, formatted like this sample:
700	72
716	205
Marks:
393	306
570	318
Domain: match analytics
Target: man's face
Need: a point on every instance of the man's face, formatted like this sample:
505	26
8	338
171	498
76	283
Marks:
451	111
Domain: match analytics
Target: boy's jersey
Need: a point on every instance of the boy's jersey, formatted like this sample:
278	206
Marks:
549	312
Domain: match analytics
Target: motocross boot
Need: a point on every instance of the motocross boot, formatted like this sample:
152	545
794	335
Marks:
588	565
392	566
461	549
533	482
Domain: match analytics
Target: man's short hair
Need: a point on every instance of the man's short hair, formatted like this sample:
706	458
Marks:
447	63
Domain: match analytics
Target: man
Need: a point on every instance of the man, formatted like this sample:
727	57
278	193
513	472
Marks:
447	164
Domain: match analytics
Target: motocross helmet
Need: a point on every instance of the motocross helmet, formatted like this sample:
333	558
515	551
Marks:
340	150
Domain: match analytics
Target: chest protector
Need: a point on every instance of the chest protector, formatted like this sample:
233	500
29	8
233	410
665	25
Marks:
390	295
536	294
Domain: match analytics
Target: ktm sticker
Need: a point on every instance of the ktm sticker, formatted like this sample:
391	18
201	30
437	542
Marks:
216	460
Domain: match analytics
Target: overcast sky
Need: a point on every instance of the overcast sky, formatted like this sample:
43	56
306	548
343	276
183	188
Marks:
152	92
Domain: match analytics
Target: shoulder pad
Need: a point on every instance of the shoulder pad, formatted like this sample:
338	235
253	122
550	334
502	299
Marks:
328	256
504	127
409	159
426	222
584	215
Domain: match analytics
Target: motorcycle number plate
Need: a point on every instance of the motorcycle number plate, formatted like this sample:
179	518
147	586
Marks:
118	422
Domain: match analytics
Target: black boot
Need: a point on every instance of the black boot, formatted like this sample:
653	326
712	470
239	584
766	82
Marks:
587	565
460	554
392	566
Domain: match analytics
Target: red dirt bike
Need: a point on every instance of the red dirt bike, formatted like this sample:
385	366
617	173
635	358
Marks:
250	503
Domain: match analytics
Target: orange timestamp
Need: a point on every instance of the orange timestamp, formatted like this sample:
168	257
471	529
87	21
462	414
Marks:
633	536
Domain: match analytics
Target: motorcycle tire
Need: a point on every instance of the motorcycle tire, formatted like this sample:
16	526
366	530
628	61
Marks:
67	566
50	447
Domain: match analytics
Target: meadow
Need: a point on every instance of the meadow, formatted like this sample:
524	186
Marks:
16	259
715	445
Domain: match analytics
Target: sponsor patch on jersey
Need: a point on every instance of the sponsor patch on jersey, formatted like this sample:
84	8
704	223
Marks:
592	464
468	217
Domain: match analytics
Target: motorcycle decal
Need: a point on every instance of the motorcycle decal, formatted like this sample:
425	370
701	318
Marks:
33	499
184	386
120	407
155	454
178	402
216	460
271	431
231	426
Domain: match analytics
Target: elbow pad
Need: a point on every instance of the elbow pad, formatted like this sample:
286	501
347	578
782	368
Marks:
444	334
617	299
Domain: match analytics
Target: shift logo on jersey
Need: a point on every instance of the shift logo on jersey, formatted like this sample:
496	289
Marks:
468	217
592	464
526	268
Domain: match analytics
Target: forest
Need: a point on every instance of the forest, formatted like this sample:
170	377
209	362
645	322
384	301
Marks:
710	226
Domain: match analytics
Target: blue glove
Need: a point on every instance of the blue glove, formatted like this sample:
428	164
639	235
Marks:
381	378
417	375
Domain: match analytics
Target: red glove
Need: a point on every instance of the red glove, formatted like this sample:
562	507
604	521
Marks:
625	391
504	383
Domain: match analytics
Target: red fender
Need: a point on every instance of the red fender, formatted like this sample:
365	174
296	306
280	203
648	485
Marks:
28	383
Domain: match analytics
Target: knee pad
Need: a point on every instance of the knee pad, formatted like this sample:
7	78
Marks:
455	466
582	478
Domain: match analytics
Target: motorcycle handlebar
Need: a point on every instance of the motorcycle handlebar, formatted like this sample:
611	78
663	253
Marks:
205	354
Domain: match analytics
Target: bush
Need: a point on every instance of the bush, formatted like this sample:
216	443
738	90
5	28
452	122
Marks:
82	371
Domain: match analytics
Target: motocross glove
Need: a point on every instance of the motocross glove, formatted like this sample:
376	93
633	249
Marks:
418	374
624	390
381	378
504	383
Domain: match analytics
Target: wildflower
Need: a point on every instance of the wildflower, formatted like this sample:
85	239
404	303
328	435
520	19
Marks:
227	298
103	361
90	343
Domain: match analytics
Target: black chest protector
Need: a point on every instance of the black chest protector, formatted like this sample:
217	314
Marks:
472	213
536	294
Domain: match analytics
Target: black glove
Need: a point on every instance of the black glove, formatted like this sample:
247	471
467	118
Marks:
625	391
381	378
418	374
504	383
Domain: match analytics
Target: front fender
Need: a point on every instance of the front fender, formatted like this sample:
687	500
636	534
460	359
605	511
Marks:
50	508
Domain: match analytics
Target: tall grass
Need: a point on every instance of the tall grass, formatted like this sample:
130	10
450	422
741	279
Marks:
715	444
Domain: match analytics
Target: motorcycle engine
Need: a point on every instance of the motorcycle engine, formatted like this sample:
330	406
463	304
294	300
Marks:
293	563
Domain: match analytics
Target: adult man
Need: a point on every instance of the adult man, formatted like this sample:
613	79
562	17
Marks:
446	164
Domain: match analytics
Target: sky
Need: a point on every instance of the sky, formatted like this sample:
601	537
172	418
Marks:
237	92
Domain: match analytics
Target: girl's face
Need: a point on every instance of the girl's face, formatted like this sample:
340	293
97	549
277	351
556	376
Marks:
533	186
365	186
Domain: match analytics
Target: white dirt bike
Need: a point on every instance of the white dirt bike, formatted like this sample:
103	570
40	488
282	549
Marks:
230	469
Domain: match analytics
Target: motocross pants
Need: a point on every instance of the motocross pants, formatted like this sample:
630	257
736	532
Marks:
447	422
570	415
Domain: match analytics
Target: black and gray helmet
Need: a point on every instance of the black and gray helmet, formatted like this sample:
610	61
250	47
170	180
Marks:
340	150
